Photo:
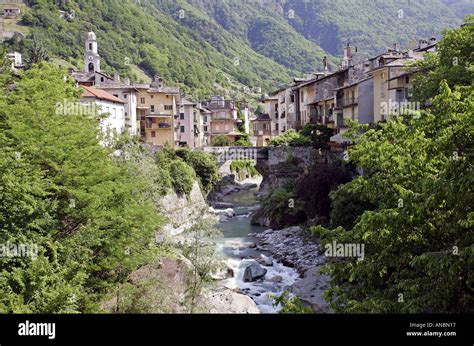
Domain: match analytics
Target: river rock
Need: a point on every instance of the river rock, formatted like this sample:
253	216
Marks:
310	289
276	279
265	260
223	205
254	272
230	302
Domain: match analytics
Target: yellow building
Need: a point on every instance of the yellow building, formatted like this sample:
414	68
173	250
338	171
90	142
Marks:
156	110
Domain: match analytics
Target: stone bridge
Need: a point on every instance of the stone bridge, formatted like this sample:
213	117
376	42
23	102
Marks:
225	156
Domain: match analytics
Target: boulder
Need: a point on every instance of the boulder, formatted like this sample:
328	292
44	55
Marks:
229	301
254	272
265	260
276	279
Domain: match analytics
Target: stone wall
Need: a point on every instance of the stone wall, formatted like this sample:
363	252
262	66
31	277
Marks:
287	164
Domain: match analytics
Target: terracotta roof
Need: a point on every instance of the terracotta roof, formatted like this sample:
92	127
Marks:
99	94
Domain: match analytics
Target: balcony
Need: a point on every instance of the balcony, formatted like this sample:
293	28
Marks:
158	126
346	102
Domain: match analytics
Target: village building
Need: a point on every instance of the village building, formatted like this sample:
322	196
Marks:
190	125
224	119
156	109
109	106
262	130
149	109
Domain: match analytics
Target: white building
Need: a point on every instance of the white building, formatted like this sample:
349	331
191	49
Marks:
108	105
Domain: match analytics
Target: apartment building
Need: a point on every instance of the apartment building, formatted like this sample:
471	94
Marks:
109	106
224	119
262	129
192	125
156	109
128	94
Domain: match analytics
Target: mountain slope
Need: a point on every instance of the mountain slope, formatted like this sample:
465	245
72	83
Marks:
229	46
371	25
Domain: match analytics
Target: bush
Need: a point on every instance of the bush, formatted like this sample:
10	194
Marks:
221	141
283	208
291	138
347	207
182	176
244	168
204	164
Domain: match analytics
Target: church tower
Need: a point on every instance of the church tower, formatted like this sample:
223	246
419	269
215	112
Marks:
91	57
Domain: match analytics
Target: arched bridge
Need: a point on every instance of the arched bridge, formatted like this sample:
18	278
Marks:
229	154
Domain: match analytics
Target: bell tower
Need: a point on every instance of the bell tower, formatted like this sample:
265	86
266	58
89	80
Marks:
91	57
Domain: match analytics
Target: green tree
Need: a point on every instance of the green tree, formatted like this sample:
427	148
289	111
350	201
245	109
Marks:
89	214
221	141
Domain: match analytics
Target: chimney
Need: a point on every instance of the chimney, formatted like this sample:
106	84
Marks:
325	65
348	52
126	80
347	56
433	40
70	71
396	47
116	78
157	82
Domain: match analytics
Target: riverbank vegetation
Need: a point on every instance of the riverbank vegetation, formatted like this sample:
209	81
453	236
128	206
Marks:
308	198
417	230
244	169
86	212
314	135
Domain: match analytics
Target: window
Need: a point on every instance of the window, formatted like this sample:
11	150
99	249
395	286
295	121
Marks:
142	100
181	128
302	96
181	116
90	46
292	98
151	96
382	90
407	79
205	128
217	127
152	108
153	133
168	107
276	107
102	79
115	113
125	96
205	118
167	96
116	95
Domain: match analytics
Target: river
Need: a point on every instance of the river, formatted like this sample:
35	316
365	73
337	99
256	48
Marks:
237	250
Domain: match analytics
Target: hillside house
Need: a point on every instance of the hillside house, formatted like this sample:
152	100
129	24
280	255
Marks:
109	105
